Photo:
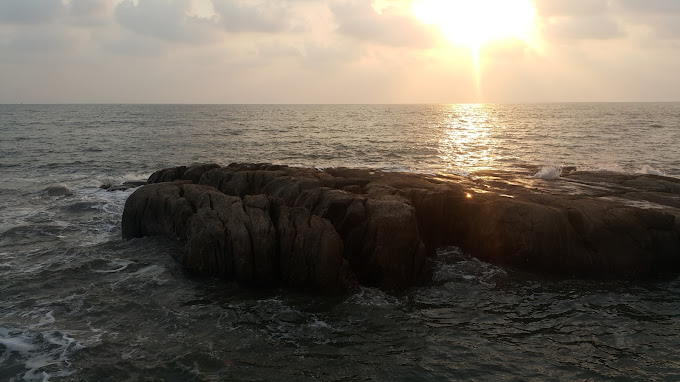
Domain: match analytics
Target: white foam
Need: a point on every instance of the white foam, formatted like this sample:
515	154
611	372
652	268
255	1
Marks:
647	169
152	270
47	319
368	296
316	324
38	351
116	265
549	173
15	344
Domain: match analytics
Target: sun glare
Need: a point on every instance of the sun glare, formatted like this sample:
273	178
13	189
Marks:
475	22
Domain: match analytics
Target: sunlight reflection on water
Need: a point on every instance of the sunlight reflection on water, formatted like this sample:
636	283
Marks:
467	138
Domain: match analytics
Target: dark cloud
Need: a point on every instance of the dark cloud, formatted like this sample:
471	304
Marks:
163	19
29	11
361	21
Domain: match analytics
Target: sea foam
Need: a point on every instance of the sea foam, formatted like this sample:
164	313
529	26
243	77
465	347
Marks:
647	169
549	173
39	352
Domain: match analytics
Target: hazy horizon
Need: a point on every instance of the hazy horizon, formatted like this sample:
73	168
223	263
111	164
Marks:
338	51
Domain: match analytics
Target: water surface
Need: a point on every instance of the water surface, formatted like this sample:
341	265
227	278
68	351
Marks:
79	303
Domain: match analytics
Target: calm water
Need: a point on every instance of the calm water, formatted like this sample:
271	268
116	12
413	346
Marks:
78	303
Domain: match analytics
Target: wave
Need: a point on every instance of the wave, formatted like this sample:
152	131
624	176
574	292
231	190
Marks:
647	169
555	172
549	173
43	354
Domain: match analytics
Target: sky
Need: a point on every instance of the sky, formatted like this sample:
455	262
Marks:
339	51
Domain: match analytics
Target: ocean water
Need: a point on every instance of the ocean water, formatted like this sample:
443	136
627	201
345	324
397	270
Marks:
78	303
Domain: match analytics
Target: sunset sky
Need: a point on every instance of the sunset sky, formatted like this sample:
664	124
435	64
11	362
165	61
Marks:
338	51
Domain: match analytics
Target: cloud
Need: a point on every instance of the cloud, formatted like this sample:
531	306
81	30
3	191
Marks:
165	20
177	21
29	11
668	27
660	17
317	55
553	8
578	20
361	21
43	40
607	19
134	46
583	28
650	6
89	12
327	51
40	12
254	16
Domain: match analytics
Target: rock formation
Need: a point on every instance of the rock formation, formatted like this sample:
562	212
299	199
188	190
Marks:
309	229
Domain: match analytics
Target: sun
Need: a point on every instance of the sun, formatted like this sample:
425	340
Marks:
474	23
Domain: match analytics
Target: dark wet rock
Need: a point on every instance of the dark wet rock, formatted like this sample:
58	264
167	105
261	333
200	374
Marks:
58	190
82	207
194	173
255	240
124	186
312	229
167	174
158	209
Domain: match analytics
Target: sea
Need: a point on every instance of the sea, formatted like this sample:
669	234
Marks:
79	303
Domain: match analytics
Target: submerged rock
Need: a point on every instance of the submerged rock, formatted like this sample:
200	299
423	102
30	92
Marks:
124	186
310	229
58	190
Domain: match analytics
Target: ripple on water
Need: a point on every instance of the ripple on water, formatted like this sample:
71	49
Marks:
522	326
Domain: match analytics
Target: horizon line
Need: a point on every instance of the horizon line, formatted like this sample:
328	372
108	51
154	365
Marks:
331	103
